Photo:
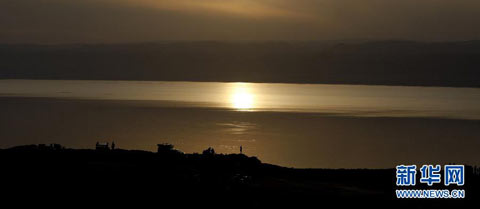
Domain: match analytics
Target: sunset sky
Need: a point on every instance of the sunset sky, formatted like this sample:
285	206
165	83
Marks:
112	21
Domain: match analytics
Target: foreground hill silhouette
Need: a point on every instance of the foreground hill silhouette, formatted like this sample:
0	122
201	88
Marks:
173	178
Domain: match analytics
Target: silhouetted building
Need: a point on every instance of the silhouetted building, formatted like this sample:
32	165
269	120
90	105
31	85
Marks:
102	146
209	151
162	148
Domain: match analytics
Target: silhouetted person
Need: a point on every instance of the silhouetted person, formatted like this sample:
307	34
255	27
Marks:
113	145
241	149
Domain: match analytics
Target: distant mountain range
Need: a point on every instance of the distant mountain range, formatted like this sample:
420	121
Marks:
378	63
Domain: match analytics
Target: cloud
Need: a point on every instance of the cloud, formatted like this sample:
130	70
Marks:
65	21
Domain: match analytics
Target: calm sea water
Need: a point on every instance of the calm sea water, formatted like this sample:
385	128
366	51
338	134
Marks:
298	125
355	100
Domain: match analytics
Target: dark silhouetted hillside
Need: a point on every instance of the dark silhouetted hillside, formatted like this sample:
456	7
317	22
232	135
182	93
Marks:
42	174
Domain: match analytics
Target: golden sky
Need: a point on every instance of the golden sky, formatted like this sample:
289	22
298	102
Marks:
66	21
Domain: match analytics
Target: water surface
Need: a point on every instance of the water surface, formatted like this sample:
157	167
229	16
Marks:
324	126
356	100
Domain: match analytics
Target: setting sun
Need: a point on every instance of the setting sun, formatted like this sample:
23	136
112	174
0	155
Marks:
241	97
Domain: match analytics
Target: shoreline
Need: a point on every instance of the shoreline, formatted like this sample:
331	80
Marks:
129	174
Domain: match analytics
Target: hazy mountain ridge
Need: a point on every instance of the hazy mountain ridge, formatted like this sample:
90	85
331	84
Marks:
384	63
